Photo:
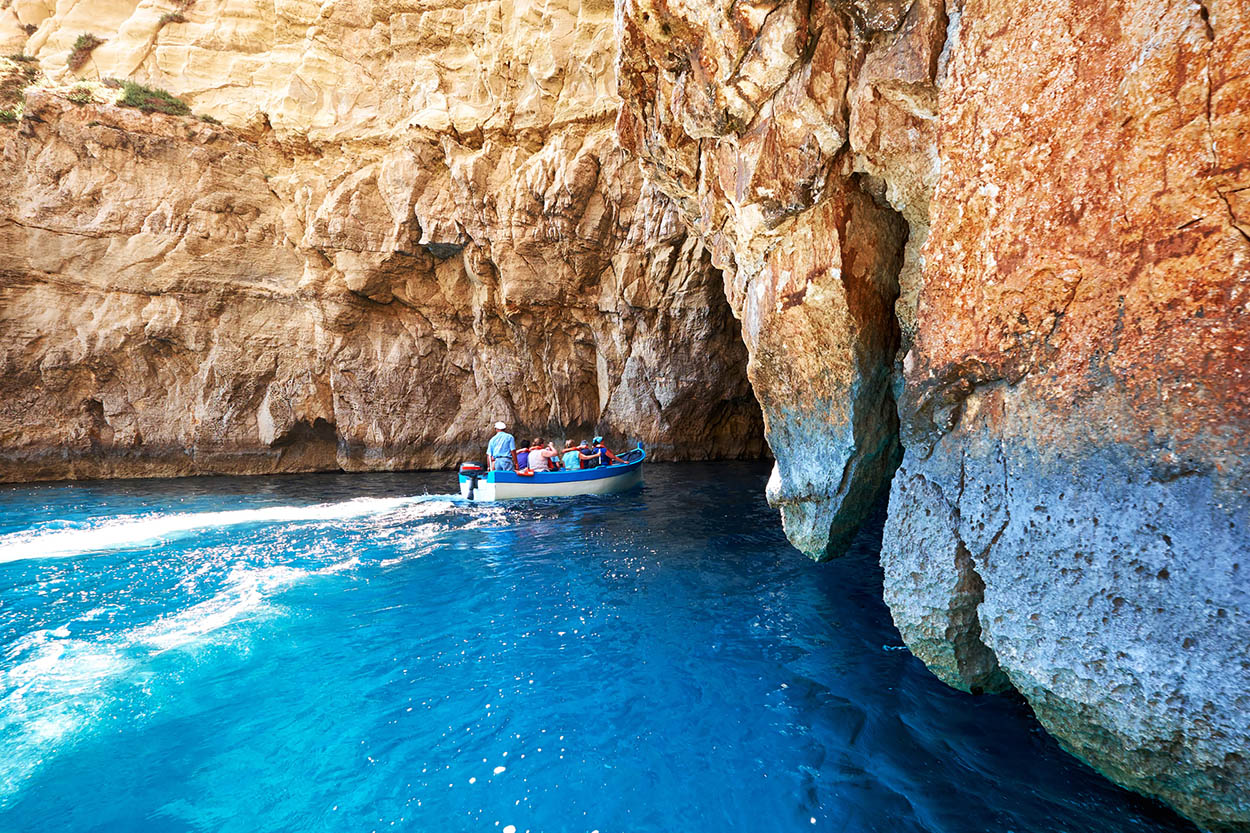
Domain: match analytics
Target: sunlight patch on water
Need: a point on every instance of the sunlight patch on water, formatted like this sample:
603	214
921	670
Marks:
57	687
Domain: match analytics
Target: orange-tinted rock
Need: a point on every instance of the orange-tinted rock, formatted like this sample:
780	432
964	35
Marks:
1077	414
1071	515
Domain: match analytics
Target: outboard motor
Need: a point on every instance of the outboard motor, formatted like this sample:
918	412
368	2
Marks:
473	471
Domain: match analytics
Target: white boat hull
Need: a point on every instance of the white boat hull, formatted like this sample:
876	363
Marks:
511	486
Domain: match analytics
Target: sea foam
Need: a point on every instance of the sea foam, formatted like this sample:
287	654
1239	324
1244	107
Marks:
148	530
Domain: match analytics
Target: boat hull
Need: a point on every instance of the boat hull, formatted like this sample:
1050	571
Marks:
507	485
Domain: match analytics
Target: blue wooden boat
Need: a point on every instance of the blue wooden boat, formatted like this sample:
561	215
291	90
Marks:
478	484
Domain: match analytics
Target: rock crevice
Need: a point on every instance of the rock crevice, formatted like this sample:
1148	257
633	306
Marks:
338	279
1070	367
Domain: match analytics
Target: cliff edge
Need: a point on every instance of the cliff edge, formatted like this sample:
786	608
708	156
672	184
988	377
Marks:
1054	198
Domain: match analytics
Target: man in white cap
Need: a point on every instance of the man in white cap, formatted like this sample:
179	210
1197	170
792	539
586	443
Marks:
501	450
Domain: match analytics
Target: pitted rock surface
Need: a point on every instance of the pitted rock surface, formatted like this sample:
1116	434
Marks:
788	134
413	222
1077	401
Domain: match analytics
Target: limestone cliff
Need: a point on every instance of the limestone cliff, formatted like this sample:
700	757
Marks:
1054	193
740	113
1005	245
1077	402
414	220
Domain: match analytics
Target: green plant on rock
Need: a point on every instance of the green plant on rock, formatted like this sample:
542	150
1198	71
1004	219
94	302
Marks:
19	58
207	119
83	47
177	15
15	77
81	95
8	116
152	100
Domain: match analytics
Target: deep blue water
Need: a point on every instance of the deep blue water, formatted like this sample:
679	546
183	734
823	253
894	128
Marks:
344	652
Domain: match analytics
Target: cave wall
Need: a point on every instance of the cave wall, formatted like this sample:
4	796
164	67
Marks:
743	114
1058	216
1076	407
1001	247
409	223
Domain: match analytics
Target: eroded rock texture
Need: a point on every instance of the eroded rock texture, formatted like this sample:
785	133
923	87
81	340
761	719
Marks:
769	124
1077	401
415	221
1056	194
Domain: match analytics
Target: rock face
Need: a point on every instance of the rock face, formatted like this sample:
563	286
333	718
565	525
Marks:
1068	246
1077	398
742	114
1006	244
413	222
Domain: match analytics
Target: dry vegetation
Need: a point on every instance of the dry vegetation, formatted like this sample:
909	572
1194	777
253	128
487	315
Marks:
83	47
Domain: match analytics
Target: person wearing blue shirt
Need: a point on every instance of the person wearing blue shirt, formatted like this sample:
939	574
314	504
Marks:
605	457
571	458
501	450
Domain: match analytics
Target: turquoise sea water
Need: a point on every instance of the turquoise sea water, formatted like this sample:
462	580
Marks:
361	652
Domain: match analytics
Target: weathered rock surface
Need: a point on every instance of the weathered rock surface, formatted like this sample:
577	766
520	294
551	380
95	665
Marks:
1071	513
1077	399
415	221
1028	223
742	113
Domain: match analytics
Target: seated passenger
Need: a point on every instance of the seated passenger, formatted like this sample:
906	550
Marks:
606	457
540	456
522	458
571	458
587	455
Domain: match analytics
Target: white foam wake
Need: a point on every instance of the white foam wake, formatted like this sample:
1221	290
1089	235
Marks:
119	533
58	687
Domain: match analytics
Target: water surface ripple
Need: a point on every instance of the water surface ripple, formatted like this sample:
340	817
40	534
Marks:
361	652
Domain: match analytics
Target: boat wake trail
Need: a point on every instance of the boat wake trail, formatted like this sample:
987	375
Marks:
103	535
54	686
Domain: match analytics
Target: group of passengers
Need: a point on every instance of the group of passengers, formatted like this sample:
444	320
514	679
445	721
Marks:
502	454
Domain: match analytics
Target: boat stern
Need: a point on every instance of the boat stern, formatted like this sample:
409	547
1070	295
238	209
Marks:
474	483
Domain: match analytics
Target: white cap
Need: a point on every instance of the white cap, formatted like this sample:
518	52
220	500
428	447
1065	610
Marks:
500	425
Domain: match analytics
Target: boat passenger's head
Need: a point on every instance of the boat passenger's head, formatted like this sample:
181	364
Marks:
598	440
500	426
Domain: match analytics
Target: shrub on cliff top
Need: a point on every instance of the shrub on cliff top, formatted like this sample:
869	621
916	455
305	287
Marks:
82	50
177	15
149	99
80	95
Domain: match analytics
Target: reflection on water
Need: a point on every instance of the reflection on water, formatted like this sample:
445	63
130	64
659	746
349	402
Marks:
361	652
